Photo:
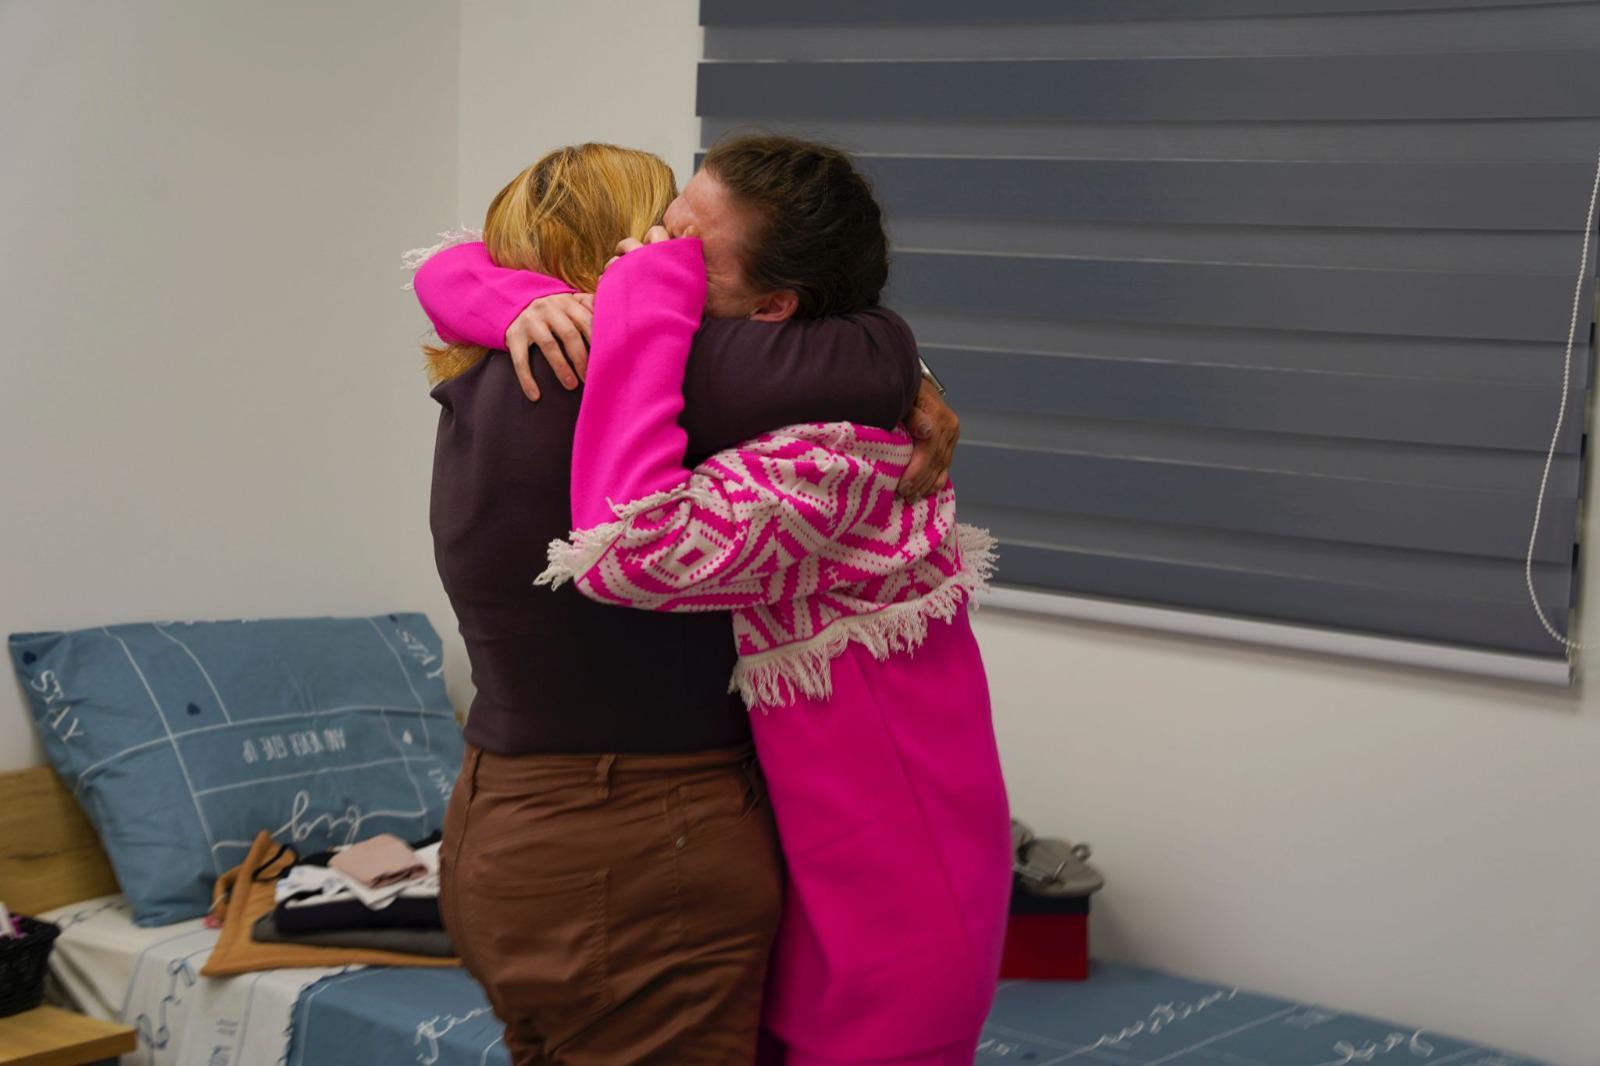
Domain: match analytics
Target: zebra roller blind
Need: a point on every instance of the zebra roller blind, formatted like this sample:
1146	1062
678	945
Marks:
1249	306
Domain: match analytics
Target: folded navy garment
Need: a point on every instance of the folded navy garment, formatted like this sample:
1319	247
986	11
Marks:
404	912
411	941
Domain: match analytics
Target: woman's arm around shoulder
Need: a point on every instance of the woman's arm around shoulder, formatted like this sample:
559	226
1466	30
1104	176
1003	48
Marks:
746	378
471	300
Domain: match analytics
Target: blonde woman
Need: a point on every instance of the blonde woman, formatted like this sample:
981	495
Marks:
609	868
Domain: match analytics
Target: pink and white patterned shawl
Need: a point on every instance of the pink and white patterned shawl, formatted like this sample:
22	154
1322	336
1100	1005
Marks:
799	533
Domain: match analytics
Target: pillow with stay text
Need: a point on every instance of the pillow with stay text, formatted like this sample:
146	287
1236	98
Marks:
180	740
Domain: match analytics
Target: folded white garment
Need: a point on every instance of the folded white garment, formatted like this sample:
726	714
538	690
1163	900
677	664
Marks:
317	885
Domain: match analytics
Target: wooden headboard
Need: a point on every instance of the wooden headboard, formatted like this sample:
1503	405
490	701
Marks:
49	853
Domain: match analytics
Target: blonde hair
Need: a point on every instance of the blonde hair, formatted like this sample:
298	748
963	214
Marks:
563	216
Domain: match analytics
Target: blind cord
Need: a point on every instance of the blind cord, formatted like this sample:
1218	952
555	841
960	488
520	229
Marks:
1561	413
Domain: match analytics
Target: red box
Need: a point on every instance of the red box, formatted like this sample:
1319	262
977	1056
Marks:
1047	938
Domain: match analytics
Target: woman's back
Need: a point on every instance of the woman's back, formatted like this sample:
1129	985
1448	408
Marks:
556	672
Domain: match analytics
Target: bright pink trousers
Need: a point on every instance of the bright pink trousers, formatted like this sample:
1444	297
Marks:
893	818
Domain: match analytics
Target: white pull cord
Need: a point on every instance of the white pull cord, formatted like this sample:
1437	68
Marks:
1561	413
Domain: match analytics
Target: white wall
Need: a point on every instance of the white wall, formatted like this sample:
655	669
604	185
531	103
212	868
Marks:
213	402
1396	842
535	76
1404	843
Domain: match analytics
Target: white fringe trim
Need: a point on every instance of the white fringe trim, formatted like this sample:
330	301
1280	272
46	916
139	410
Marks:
774	678
415	257
566	559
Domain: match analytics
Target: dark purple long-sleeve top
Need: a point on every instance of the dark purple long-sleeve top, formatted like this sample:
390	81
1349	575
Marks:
543	662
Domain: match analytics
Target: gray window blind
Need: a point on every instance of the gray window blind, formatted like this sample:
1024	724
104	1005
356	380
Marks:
1250	306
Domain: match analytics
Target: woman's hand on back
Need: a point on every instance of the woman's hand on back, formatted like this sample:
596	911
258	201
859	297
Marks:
559	326
935	430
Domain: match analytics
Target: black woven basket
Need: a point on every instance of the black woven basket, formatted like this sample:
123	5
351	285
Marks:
23	961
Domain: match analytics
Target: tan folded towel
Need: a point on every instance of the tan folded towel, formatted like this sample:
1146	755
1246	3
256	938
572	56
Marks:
378	861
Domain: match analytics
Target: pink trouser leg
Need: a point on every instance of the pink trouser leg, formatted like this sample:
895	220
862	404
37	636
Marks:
892	815
959	1054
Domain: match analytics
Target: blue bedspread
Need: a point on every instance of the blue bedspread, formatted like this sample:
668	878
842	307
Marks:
1121	1016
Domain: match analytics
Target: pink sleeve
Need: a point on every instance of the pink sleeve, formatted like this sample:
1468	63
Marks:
681	540
628	444
471	300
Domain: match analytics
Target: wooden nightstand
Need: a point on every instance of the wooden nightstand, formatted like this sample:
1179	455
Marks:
50	1036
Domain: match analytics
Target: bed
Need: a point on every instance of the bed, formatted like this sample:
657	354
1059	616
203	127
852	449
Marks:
108	967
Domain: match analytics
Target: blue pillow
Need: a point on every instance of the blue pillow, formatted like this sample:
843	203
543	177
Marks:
182	740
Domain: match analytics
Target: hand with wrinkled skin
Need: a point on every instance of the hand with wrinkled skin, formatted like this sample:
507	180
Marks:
936	429
559	327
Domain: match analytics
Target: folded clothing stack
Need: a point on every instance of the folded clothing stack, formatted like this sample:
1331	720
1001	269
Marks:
378	893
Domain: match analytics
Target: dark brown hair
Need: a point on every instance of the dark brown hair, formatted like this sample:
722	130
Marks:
821	233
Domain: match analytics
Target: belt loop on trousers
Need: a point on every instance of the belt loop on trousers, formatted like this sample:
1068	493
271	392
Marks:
602	775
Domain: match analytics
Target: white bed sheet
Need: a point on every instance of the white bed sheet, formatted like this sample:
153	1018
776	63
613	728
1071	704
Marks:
107	967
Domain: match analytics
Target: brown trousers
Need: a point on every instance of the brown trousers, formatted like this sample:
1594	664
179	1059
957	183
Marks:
617	909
